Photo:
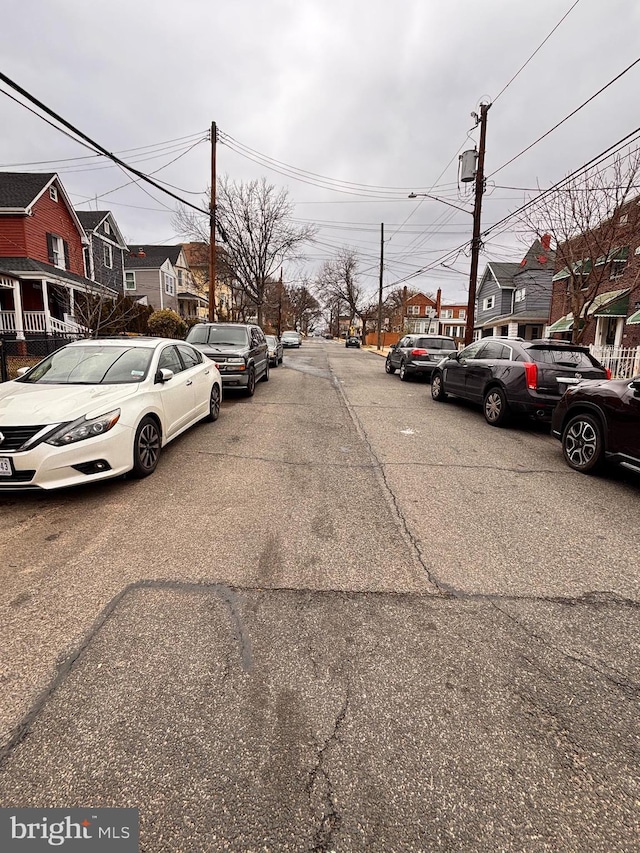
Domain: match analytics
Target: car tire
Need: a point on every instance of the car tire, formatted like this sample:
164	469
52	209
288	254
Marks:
265	375
250	390
495	407
389	368
214	403
437	388
583	444
404	376
146	448
281	359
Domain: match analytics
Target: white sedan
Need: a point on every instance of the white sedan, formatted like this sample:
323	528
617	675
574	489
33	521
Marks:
101	408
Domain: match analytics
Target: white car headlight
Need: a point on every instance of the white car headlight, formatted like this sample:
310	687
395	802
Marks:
84	428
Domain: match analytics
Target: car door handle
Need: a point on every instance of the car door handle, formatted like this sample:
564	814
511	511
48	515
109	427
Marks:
206	373
189	381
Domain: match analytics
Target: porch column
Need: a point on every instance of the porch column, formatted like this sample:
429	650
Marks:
17	307
513	330
45	305
72	302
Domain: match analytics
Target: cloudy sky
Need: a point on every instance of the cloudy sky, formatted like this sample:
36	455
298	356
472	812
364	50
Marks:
375	96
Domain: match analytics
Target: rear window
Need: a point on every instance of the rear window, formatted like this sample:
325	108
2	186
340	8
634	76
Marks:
435	343
562	357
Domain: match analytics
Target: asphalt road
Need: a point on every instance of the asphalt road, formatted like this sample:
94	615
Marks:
342	618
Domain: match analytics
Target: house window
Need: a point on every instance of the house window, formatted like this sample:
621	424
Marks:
462	314
520	294
623	219
169	283
129	281
56	251
617	269
180	279
488	303
87	261
447	313
107	228
413	310
53	193
107	255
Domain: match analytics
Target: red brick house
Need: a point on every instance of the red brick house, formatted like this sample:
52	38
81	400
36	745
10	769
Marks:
426	315
598	278
42	264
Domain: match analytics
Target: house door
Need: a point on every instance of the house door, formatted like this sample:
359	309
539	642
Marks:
609	331
58	301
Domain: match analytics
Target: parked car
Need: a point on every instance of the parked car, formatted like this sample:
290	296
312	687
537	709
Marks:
276	350
101	408
352	341
291	339
240	351
513	376
599	422
417	355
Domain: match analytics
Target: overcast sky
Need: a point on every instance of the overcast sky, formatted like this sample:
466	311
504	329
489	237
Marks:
360	91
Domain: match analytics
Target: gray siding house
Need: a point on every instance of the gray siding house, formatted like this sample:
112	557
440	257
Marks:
156	274
104	256
514	299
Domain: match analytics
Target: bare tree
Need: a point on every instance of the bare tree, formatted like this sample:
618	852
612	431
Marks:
582	220
337	283
102	314
254	221
305	308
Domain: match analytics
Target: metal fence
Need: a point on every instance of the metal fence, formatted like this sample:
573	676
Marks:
623	362
15	353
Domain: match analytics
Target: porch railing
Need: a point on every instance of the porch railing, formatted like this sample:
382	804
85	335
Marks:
34	321
623	362
7	321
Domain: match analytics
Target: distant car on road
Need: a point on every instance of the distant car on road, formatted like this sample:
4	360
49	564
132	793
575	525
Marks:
291	339
275	350
599	422
513	376
101	408
239	350
352	341
417	355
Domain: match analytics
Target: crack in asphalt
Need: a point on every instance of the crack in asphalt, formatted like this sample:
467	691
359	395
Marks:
630	689
331	817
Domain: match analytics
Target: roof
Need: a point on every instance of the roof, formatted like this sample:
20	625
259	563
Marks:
188	295
537	258
91	218
516	318
17	266
158	253
20	189
197	254
504	272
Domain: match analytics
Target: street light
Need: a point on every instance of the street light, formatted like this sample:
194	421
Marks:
441	200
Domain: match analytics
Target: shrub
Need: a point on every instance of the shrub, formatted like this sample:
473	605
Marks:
167	324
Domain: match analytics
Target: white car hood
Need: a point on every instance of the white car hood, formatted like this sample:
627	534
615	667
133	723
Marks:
24	404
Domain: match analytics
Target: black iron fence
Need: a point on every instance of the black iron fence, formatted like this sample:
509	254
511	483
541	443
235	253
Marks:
15	353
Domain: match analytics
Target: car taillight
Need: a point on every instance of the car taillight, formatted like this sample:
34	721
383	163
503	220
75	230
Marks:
419	352
607	370
531	374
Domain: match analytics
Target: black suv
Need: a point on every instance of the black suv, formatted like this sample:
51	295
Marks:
598	422
417	355
241	352
511	375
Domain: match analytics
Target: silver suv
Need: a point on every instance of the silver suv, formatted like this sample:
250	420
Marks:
417	355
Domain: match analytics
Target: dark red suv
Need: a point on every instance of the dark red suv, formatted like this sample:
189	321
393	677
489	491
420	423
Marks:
513	376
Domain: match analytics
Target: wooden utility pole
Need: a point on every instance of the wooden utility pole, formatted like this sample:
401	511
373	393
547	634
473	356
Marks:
280	286
380	285
212	227
475	242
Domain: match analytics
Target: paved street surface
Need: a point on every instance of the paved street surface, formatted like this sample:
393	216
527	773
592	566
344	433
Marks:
342	618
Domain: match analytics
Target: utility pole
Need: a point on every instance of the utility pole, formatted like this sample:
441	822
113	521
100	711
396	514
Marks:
212	227
280	305
380	286
475	242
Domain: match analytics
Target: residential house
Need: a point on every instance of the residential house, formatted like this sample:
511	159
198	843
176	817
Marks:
104	255
192	306
513	299
607	260
42	267
452	320
421	314
197	255
156	274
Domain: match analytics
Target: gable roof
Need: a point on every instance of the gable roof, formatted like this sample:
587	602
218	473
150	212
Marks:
503	272
158	253
19	190
149	262
91	220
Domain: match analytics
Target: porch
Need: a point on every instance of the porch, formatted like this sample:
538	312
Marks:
36	308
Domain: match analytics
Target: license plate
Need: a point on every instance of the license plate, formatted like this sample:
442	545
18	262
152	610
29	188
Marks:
6	469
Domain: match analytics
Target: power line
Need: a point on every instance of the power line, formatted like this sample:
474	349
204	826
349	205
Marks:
90	142
540	46
566	118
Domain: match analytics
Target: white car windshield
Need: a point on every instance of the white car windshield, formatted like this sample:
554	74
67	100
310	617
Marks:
92	365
